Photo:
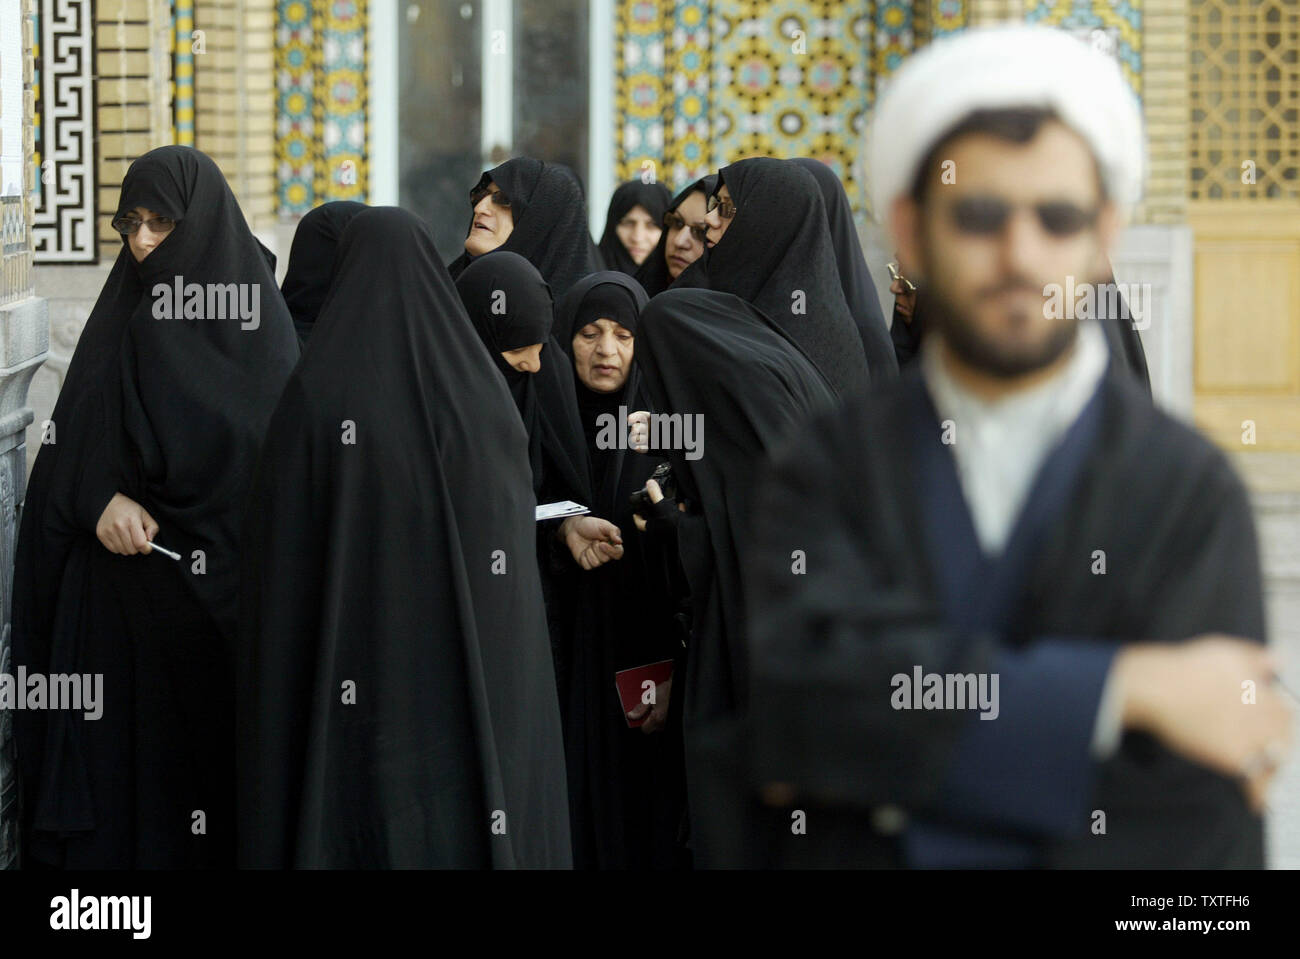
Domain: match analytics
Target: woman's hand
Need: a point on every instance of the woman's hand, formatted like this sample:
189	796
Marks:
663	513
658	713
592	541
125	527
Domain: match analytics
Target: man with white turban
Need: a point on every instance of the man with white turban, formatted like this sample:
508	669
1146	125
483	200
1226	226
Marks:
1025	603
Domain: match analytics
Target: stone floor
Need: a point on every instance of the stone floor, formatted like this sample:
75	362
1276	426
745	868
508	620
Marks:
1274	481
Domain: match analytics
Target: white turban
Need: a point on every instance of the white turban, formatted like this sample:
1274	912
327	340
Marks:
999	67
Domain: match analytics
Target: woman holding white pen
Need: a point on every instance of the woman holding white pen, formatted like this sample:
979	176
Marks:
154	436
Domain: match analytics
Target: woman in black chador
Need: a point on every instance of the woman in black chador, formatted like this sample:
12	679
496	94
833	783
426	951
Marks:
311	260
683	238
537	210
626	785
769	244
397	702
153	437
715	356
633	225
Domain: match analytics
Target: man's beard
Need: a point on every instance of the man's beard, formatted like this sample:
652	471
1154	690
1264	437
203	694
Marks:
962	336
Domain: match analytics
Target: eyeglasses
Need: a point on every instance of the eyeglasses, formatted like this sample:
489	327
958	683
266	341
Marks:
726	209
127	225
908	285
673	222
498	198
987	215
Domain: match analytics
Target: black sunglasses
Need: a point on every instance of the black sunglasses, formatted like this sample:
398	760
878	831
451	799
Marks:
127	225
674	222
988	215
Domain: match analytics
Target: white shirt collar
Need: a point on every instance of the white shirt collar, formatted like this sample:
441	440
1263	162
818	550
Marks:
1000	445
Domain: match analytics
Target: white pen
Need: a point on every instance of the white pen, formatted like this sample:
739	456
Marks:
164	550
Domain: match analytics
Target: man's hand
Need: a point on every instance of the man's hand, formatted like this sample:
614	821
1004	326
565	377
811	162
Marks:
1190	695
592	541
125	527
658	712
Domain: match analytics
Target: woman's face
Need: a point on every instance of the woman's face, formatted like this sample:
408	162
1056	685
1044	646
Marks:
602	355
493	222
718	224
154	228
684	247
526	359
639	233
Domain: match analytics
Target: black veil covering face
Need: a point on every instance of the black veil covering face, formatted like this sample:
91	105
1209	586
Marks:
777	255
626	788
311	258
168	412
653	274
855	278
510	306
653	198
390	551
713	354
550	221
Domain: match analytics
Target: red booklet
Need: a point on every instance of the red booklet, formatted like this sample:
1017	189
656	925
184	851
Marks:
630	689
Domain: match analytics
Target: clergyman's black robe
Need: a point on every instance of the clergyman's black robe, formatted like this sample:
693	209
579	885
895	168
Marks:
885	591
396	701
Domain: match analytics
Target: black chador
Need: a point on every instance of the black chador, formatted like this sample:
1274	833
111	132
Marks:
653	274
550	221
165	403
855	278
651	197
510	306
777	254
397	702
715	356
626	787
308	276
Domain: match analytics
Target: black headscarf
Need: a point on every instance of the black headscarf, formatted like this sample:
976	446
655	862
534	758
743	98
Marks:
550	217
714	354
653	198
510	306
311	259
778	246
653	274
402	563
616	296
170	413
855	278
